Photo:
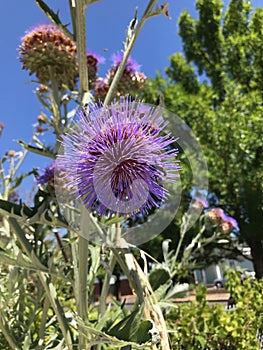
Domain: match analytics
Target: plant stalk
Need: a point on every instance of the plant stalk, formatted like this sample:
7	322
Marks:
81	45
127	52
82	278
47	284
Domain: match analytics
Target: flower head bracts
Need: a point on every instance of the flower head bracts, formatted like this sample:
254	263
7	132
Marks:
50	54
93	60
116	159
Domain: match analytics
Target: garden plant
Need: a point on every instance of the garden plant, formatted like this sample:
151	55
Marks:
120	172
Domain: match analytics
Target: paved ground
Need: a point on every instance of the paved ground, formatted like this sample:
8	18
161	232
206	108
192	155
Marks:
213	294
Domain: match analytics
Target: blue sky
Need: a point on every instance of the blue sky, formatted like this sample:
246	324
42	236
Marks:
107	21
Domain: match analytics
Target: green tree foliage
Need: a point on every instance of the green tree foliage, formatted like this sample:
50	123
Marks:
217	88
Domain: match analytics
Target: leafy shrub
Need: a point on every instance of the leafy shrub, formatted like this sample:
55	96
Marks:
199	325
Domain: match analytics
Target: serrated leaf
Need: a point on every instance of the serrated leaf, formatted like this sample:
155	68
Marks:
108	319
54	18
18	210
167	304
18	180
99	337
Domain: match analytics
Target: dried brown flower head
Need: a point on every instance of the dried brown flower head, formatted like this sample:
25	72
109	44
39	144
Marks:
48	53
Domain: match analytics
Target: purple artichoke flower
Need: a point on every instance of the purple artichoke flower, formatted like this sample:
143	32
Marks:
131	64
231	220
117	159
228	224
48	175
94	57
200	203
131	80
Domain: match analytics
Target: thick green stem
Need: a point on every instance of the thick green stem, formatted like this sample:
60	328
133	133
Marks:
185	221
55	99
81	278
128	267
182	234
118	235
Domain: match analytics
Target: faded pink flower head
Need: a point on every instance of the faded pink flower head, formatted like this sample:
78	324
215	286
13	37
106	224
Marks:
214	216
228	224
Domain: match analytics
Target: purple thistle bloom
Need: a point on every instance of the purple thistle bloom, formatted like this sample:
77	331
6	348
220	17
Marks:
95	56
117	160
48	175
101	88
230	220
214	216
200	202
131	64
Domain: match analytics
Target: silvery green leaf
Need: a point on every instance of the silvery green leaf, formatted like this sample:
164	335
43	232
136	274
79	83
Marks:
176	290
